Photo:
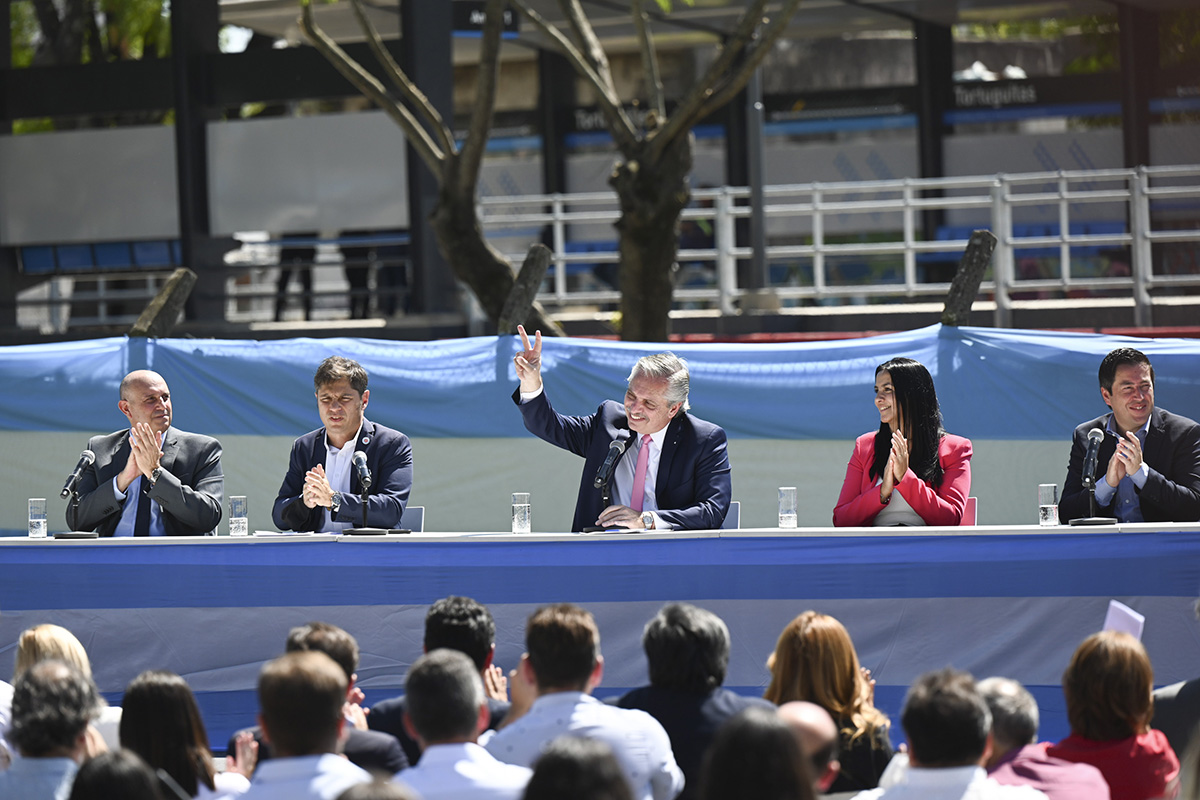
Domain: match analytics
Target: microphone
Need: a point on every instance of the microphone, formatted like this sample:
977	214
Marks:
86	458
615	451
359	459
1095	437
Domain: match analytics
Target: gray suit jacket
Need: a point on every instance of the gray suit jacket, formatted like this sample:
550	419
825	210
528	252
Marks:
190	491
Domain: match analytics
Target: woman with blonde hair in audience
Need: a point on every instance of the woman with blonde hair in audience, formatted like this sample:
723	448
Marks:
815	660
910	471
53	641
1108	687
162	724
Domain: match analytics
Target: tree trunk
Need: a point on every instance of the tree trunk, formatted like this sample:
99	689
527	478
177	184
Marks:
652	195
475	262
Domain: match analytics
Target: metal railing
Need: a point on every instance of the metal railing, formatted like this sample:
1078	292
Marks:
1067	216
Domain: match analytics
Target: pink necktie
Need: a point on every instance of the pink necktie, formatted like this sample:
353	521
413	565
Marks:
639	474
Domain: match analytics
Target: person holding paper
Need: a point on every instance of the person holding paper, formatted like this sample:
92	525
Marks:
322	491
1148	469
151	479
910	471
674	472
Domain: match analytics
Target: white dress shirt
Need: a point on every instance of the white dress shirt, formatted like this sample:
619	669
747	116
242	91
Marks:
337	472
464	772
321	777
638	740
6	692
229	785
900	781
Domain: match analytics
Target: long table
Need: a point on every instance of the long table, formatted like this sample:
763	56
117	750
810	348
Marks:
991	600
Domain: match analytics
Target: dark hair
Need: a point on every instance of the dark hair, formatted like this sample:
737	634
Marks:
945	719
118	774
1122	356
328	639
336	368
52	704
1108	687
922	420
563	643
687	648
161	723
1014	713
755	756
301	697
443	694
581	769
460	623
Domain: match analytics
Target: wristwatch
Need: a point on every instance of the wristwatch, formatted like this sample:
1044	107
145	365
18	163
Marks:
335	504
155	474
648	520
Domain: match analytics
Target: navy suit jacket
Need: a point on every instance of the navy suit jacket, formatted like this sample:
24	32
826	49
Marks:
371	750
389	458
1172	454
190	491
693	486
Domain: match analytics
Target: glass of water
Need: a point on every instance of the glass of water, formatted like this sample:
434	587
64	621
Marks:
37	517
521	515
239	512
1047	504
787	506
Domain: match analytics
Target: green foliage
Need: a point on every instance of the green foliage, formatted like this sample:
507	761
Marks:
128	30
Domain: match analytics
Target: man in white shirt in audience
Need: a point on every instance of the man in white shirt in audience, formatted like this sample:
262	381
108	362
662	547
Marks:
446	711
300	698
949	730
561	667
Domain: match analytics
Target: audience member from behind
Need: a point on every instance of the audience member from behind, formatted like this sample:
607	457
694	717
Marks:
321	492
53	703
369	749
53	641
447	710
817	736
910	471
1016	759
454	623
118	775
379	789
949	730
5	718
1108	688
150	479
755	756
687	649
580	769
161	723
1177	711
815	660
1148	469
561	667
300	697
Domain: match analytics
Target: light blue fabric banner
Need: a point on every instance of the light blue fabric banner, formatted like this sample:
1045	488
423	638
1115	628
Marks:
992	384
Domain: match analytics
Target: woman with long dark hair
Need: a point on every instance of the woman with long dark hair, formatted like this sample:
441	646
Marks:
910	471
161	723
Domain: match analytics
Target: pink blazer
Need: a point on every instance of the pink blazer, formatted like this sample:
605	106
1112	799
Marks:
858	503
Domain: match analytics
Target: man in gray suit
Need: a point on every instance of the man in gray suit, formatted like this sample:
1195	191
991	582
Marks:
152	479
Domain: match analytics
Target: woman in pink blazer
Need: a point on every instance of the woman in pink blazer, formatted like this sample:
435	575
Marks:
910	471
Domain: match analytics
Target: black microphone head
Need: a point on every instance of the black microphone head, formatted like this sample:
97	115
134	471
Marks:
1095	435
87	457
359	459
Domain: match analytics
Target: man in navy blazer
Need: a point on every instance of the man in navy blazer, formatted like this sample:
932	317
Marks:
177	473
685	483
322	491
1148	468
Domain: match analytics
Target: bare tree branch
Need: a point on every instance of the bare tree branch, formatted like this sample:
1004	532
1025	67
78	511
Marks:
369	85
686	113
589	44
752	61
485	99
406	87
619	125
649	61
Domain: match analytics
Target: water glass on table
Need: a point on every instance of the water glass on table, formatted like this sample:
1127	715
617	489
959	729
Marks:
1047	504
521	515
37	518
239	513
787	506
